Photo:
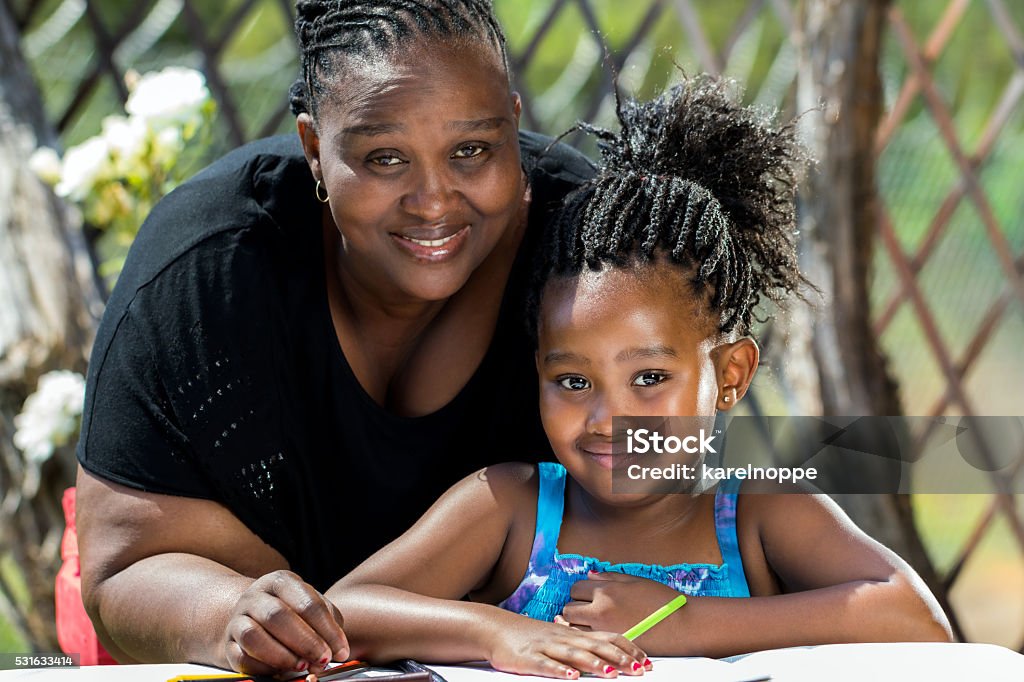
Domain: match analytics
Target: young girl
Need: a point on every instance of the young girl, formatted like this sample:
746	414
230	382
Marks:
644	305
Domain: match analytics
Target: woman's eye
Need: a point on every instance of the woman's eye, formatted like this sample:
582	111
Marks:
386	161
574	383
649	378
468	151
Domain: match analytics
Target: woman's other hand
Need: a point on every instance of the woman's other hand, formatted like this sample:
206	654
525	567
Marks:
282	624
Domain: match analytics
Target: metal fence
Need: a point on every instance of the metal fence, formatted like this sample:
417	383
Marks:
948	295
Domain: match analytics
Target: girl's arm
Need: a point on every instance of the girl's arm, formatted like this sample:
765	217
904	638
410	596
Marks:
404	601
839	585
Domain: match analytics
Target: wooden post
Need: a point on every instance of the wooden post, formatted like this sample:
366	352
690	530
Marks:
840	88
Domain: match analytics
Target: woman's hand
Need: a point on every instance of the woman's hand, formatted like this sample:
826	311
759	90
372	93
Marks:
614	601
534	647
281	624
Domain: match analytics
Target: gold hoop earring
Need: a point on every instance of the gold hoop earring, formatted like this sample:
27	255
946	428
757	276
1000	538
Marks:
326	197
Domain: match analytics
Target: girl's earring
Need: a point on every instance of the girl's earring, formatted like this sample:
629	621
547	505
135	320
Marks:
729	394
726	398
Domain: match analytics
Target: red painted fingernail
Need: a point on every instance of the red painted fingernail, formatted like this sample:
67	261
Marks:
302	666
572	674
636	666
325	660
608	670
648	664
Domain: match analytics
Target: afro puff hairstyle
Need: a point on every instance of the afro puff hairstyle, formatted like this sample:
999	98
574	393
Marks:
698	178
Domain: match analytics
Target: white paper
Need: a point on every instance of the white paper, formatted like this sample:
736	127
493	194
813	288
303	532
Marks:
836	663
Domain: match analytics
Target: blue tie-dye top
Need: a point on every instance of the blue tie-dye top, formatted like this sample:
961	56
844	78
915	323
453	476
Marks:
545	590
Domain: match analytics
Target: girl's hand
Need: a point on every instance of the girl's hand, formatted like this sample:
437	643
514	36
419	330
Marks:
614	602
281	624
534	647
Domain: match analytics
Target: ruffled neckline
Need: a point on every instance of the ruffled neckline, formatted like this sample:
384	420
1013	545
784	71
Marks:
586	564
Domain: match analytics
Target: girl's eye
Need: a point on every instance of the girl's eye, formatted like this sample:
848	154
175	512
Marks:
386	161
649	378
573	383
468	151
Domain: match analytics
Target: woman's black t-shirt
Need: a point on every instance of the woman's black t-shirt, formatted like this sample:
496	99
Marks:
217	373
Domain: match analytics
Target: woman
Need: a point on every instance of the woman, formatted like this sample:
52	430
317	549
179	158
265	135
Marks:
310	342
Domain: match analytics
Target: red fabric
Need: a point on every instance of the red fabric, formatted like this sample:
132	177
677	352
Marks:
74	629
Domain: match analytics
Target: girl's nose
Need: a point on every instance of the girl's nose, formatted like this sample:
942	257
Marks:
432	195
599	418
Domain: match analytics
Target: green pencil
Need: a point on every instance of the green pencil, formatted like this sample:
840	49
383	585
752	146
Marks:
655	618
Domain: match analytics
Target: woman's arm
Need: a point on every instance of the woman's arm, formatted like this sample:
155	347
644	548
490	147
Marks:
839	586
403	602
167	578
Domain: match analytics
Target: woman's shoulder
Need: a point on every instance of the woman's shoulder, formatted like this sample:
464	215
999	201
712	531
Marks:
548	161
260	180
252	194
271	173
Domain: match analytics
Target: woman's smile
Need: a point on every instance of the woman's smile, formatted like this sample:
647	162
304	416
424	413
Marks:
433	245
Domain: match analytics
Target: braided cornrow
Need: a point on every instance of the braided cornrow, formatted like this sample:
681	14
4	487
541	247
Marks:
696	177
327	29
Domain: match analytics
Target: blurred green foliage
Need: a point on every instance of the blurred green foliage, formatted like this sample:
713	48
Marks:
10	639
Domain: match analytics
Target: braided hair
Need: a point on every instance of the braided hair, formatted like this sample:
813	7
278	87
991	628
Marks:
327	29
697	178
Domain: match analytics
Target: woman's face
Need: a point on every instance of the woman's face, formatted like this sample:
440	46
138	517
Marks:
420	158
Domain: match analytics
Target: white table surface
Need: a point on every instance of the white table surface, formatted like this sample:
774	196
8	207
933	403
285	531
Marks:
840	662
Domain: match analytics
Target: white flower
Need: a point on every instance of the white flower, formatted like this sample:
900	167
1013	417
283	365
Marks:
174	95
167	146
45	163
126	137
51	416
83	164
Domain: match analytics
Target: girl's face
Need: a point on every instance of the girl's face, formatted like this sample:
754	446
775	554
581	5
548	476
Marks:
420	158
628	343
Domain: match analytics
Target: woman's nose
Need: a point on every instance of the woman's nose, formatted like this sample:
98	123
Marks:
432	195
